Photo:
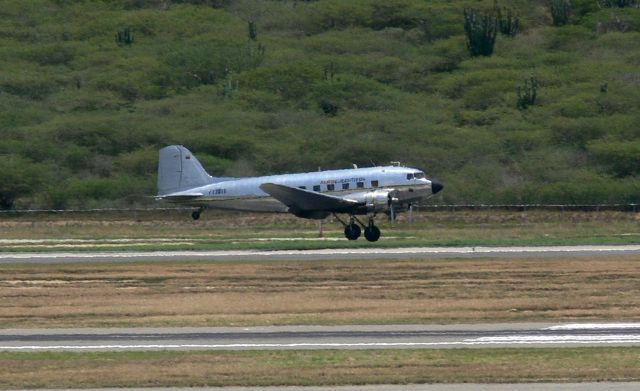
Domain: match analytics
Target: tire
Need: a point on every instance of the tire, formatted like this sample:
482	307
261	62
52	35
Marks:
352	231
372	233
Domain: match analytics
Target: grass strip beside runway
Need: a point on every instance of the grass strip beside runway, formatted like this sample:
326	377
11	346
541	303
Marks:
225	231
323	367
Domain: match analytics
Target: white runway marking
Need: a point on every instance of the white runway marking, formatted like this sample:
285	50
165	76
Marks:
484	341
594	326
480	251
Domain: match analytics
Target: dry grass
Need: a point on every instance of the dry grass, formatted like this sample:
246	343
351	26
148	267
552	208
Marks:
319	292
143	369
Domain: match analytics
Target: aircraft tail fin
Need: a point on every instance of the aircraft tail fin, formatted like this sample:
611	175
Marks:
179	170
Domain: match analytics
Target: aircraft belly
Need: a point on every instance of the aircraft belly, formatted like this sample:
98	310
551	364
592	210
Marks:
257	204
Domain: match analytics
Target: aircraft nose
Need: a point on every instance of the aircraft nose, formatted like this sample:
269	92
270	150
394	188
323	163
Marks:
436	187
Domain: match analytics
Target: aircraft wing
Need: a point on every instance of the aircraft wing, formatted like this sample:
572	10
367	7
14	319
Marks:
308	201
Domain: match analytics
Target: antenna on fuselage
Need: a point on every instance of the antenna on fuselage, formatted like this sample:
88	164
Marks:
354	165
395	164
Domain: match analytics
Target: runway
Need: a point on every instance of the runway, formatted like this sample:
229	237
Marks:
325	337
364	253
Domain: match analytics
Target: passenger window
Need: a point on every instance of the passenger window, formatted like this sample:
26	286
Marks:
360	185
345	186
316	188
409	176
331	187
303	187
374	183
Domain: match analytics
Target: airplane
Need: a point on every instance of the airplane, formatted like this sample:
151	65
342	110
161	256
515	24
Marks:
311	195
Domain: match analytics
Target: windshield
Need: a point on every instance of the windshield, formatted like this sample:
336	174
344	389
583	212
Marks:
419	175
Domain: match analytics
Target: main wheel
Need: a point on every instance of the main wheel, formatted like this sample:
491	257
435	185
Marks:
352	231
372	233
195	215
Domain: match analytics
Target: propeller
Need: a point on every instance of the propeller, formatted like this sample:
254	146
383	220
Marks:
392	212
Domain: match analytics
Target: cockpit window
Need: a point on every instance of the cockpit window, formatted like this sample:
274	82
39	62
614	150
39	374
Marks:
410	176
420	175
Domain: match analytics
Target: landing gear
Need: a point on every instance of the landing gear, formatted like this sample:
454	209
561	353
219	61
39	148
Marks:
352	230
196	213
372	233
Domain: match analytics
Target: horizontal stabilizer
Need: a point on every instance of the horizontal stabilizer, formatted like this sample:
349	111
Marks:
299	200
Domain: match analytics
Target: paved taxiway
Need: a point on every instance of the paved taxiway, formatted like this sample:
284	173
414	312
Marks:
353	253
325	337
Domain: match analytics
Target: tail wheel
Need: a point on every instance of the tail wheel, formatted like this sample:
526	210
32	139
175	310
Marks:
372	233
352	231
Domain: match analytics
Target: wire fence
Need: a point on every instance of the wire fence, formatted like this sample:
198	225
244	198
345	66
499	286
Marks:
632	207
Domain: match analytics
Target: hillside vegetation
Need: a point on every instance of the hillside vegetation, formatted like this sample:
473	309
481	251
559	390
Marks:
90	90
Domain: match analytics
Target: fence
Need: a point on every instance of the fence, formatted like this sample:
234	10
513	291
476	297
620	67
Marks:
452	208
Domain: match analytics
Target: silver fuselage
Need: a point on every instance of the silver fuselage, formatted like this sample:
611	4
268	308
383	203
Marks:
245	194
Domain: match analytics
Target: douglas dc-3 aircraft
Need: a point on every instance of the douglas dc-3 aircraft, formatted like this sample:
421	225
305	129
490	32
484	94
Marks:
311	195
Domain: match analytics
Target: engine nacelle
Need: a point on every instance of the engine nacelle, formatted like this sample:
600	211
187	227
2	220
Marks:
379	201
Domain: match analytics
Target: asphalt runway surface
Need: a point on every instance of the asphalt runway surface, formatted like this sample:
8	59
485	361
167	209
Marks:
324	337
323	254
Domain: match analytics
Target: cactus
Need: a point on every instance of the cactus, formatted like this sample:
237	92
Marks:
508	22
230	86
560	11
253	31
527	94
124	37
481	32
329	72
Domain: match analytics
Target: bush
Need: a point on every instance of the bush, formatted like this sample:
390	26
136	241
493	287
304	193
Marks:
29	81
141	162
19	178
353	92
576	132
209	62
291	81
621	158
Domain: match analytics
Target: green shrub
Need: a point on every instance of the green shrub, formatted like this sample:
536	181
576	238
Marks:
621	158
609	20
291	81
50	53
141	162
576	132
30	82
618	3
19	178
336	14
353	92
208	62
